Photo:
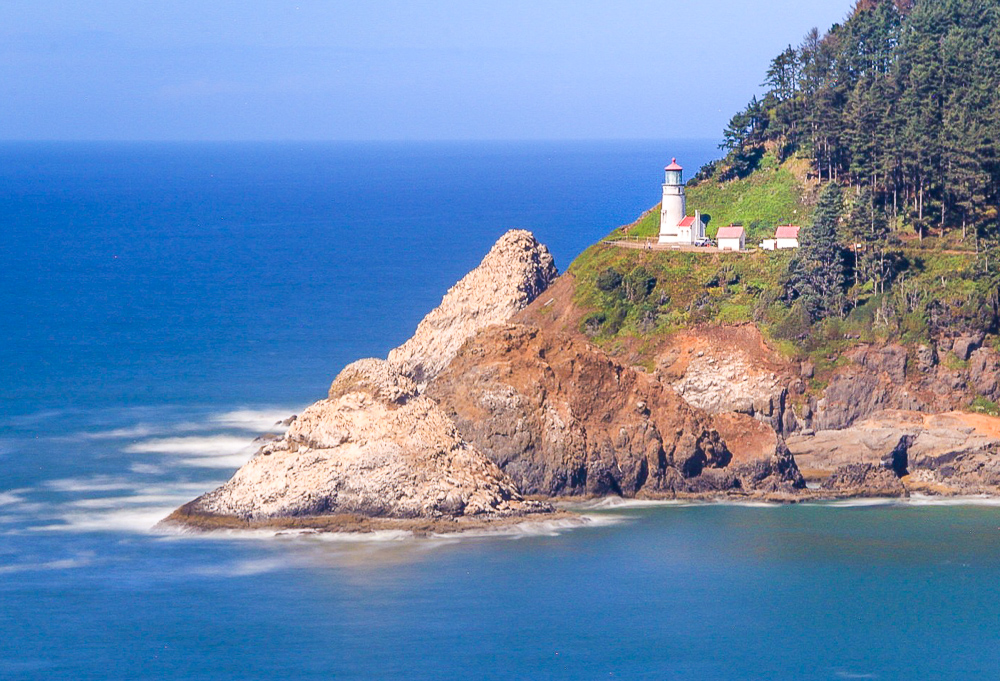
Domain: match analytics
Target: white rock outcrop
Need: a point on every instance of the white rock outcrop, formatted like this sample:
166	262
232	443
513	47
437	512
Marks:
721	383
374	448
515	272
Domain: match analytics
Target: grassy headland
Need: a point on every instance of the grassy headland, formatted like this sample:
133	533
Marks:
777	193
637	297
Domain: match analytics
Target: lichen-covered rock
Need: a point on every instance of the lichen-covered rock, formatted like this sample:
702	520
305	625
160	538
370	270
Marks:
776	474
889	360
857	393
382	380
563	418
984	372
865	480
373	449
515	272
927	358
964	346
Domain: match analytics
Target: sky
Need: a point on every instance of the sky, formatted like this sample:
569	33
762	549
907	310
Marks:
387	69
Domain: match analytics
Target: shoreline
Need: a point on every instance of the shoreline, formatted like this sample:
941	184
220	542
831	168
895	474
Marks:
186	519
570	513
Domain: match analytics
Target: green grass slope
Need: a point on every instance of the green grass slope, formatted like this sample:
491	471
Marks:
633	297
774	194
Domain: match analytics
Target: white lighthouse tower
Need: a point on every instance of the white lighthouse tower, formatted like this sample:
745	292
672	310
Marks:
676	227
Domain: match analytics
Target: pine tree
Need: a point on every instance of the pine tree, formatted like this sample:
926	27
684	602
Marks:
817	274
902	98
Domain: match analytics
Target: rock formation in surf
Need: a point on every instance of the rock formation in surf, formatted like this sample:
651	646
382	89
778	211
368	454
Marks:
373	448
376	448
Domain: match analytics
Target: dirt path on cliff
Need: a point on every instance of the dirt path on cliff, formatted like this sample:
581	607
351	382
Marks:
984	425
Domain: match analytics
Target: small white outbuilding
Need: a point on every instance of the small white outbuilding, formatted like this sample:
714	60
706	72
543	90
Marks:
731	238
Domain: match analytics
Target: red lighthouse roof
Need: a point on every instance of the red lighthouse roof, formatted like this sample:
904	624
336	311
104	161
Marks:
673	165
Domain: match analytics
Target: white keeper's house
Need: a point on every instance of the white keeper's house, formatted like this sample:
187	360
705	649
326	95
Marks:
676	226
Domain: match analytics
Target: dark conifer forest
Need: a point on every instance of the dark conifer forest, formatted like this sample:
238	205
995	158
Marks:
881	138
900	102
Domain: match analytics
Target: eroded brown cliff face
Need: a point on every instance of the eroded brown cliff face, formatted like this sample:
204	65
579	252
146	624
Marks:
563	418
731	373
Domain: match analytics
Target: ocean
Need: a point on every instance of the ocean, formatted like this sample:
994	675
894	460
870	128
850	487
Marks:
161	305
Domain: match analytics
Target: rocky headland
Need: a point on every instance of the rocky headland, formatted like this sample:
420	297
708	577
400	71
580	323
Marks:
377	454
374	455
500	406
885	420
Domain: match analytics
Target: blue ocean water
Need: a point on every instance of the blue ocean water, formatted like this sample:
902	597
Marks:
161	305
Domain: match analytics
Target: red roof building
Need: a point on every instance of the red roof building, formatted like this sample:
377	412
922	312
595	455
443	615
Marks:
787	232
730	232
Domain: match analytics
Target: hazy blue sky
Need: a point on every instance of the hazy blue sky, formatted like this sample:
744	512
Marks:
368	69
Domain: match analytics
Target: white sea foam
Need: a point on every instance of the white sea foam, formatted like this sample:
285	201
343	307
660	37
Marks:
99	483
243	568
132	432
16	504
970	500
202	451
64	564
620	502
857	503
209	445
130	520
256	420
134	513
146	469
230	462
10	498
247	420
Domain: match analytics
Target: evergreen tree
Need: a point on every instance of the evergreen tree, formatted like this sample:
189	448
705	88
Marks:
875	249
817	274
903	99
744	137
781	102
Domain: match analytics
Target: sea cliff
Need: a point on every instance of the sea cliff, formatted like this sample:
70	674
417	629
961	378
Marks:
502	404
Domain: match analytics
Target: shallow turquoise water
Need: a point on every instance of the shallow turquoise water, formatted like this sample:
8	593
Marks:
164	304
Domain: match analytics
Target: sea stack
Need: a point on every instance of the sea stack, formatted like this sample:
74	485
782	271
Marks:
376	454
373	455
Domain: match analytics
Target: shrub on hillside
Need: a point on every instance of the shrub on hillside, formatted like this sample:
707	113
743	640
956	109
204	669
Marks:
638	284
609	280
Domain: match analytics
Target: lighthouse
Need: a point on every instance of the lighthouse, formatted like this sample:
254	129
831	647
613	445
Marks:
676	226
